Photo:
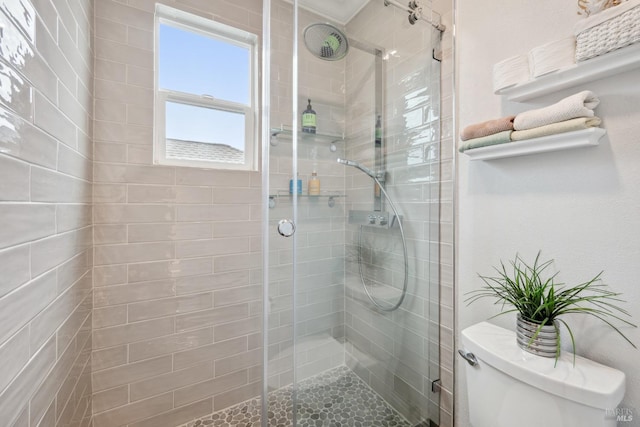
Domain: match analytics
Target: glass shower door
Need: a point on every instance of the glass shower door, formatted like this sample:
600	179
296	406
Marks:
304	281
333	357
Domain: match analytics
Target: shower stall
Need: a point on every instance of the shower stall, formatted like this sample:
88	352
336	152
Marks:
350	276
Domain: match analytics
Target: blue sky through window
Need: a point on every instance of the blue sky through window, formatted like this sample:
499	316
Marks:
194	63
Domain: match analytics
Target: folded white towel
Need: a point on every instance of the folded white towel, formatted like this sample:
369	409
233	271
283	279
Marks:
552	56
571	125
578	105
605	15
510	71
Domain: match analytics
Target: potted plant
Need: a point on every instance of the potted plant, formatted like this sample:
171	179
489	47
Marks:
540	302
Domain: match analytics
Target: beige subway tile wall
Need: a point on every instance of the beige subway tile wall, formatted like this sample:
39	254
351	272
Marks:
176	260
46	110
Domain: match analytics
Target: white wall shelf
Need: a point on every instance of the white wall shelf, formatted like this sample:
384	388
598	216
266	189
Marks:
561	141
610	64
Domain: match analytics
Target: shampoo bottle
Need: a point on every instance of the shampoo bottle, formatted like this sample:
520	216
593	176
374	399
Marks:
314	184
309	119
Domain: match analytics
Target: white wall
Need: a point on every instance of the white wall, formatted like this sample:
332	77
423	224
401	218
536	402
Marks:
580	207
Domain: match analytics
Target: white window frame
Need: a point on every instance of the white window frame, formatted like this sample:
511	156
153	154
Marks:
216	30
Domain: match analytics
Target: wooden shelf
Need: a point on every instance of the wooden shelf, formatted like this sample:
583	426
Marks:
561	141
610	64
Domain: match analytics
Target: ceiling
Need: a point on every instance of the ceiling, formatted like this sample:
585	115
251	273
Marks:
338	11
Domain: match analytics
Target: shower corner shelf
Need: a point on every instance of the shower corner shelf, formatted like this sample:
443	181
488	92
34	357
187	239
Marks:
609	64
285	195
304	136
561	141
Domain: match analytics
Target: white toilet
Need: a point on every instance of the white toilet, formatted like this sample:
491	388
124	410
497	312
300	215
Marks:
509	387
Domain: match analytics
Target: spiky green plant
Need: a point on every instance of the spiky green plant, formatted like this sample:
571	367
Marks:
541	300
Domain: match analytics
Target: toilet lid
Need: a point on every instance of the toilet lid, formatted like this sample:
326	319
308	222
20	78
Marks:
588	382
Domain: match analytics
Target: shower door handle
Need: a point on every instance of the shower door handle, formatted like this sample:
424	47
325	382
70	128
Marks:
286	227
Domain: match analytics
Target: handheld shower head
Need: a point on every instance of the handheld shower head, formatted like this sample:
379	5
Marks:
364	169
346	162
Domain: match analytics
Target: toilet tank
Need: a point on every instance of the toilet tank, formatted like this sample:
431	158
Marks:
510	387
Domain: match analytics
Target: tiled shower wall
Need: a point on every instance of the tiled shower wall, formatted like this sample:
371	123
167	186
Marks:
46	72
162	235
178	285
177	250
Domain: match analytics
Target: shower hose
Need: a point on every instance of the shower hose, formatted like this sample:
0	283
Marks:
386	307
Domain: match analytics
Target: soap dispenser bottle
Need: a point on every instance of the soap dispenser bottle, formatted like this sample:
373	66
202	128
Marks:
309	119
314	184
295	185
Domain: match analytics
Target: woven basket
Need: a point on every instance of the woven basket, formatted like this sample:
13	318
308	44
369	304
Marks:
613	34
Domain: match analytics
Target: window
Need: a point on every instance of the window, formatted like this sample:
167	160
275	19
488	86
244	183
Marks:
205	93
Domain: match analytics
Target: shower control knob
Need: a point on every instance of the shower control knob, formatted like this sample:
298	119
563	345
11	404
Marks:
286	228
372	219
382	220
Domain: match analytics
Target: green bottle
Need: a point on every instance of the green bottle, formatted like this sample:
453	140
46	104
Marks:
309	119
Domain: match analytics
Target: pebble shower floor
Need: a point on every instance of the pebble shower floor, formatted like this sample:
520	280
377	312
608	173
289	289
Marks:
336	398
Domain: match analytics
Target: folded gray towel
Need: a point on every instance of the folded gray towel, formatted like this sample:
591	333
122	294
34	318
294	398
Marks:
485	141
578	105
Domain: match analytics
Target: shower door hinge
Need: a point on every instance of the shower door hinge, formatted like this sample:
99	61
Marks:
437	54
436	386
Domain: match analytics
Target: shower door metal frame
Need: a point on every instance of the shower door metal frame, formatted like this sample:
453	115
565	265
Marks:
294	174
265	137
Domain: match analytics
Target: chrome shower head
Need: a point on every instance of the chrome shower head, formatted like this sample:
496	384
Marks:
326	41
